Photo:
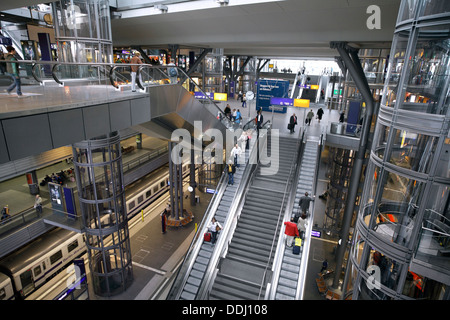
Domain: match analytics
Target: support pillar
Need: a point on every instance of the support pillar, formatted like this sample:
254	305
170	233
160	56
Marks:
353	65
99	176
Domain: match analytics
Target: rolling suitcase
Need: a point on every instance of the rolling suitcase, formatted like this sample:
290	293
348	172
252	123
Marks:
297	245
207	237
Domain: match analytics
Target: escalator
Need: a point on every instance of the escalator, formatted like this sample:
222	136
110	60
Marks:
243	272
289	276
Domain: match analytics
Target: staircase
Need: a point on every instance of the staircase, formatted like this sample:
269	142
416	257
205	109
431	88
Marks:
290	268
249	253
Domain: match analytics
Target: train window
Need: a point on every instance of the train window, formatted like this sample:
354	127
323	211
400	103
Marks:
55	257
72	246
2	293
162	184
155	189
148	194
37	271
131	205
140	199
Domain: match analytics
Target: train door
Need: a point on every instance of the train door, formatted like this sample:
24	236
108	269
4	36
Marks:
39	274
26	279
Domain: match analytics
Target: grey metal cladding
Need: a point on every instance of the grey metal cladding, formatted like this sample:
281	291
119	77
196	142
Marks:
67	127
96	120
27	135
4	157
120	115
140	110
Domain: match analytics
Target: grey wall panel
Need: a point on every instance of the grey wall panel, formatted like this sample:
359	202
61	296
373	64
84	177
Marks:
96	121
140	110
27	135
120	115
67	127
4	157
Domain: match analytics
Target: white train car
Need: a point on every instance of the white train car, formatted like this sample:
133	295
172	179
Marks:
34	264
151	192
31	266
6	288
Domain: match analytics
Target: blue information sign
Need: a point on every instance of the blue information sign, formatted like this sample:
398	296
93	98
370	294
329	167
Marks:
268	89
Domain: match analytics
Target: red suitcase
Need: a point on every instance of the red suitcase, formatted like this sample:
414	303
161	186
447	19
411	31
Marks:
207	237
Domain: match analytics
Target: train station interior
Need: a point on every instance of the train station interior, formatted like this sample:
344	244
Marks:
225	150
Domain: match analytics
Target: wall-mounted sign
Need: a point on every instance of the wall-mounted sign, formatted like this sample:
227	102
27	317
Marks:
301	103
220	96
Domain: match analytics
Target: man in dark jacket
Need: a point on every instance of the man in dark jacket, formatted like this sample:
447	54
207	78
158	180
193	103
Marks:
292	123
304	203
12	69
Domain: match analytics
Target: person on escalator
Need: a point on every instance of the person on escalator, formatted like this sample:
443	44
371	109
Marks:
230	169
214	227
291	232
304	203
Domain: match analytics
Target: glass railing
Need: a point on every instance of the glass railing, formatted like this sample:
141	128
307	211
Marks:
434	243
104	81
344	128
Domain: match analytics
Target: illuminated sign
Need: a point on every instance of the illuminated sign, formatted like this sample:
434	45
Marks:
301	103
316	233
281	101
220	96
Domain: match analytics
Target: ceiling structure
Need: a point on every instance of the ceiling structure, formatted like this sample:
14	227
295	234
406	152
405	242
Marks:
263	28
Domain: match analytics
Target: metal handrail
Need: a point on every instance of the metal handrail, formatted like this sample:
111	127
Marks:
276	268
304	263
194	247
281	216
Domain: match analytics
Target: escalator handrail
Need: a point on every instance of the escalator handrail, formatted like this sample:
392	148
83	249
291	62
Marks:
194	247
306	245
282	216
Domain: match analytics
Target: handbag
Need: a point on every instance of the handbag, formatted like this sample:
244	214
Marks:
217	228
289	126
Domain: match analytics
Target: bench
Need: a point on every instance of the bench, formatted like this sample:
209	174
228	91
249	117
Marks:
332	296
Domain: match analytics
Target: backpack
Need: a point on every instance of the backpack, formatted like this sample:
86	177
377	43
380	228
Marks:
173	72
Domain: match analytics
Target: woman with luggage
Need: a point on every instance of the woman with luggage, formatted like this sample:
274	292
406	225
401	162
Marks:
214	227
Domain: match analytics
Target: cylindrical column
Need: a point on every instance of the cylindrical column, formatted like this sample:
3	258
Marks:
98	170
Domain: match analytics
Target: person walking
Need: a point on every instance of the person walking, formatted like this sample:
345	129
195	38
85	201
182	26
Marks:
135	60
291	232
231	169
214	227
227	111
173	72
319	114
244	101
164	220
259	120
243	140
292	123
238	117
309	116
12	70
304	203
38	204
235	153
